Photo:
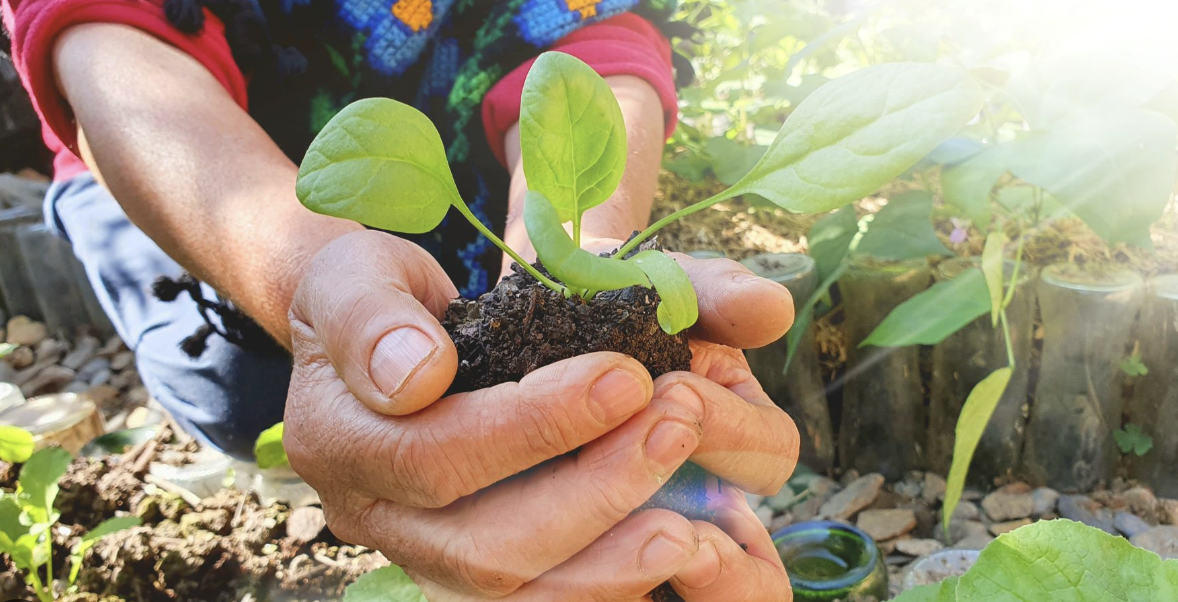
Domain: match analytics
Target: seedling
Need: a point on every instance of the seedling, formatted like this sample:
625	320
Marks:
382	163
27	515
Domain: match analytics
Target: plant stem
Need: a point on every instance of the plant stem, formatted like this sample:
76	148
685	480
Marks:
49	558
684	212
1018	262
576	230
1006	337
38	587
474	221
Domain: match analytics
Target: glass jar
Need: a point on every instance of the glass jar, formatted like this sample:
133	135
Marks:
883	416
799	390
1088	314
828	561
1154	405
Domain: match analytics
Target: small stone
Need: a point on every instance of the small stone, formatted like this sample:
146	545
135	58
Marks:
780	522
849	477
112	346
1015	488
754	500
1162	541
911	486
305	524
823	486
857	496
974	542
1001	506
783	500
75	387
1130	524
101	378
918	547
1141	500
85	350
1044	499
1081	508
50	380
1168	511
92	367
126	378
883	525
24	331
50	350
102	394
138	396
958	530
997	529
963	511
765	513
939	567
934	487
21	357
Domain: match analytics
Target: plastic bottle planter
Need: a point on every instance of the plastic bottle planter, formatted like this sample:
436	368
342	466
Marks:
799	391
831	561
15	285
1154	406
883	417
1087	317
961	361
49	261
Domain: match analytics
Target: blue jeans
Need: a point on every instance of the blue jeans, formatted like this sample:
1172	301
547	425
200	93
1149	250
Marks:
228	395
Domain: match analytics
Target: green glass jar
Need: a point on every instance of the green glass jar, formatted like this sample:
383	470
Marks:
831	561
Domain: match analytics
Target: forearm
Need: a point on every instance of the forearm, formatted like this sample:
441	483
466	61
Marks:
191	168
629	207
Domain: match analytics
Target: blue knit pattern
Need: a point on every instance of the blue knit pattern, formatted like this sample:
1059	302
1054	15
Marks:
392	46
542	22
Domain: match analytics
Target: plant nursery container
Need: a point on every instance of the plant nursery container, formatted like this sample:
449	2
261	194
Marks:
49	263
1088	314
64	419
10	395
966	357
883	415
799	389
15	285
828	561
1154	405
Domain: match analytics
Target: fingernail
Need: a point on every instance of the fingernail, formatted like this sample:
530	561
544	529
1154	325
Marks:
616	395
701	570
661	556
399	355
686	397
668	445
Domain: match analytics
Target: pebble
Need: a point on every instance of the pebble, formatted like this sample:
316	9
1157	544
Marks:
963	511
93	367
939	567
1168	511
122	360
918	547
1130	524
765	513
783	500
1002	506
974	542
997	529
910	487
1081	508
883	525
85	350
1140	500
305	524
21	357
959	530
1045	499
24	331
858	495
50	380
1162	541
934	487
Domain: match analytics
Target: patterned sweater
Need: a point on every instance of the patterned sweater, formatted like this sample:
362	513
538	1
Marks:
294	63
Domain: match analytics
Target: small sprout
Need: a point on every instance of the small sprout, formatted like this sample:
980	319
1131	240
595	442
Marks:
1132	440
1133	366
268	448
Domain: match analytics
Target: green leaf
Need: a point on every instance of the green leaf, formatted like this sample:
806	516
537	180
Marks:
994	268
934	314
1115	170
1133	440
975	414
6	348
945	591
381	163
16	444
268	448
678	308
830	239
903	229
572	136
38	481
967	185
572	265
855	134
1065	561
387	584
106	527
731	160
1133	366
11	527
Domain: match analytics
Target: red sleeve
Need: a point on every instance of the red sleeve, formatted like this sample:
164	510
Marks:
34	26
623	45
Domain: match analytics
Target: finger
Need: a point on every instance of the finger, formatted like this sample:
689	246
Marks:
723	571
747	440
736	307
369	304
543	517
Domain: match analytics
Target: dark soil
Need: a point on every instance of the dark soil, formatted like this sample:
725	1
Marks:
522	325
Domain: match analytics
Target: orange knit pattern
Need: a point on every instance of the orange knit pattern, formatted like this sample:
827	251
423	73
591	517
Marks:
417	14
588	8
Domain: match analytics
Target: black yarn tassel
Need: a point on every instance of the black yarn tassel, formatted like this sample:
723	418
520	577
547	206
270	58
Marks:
195	344
186	15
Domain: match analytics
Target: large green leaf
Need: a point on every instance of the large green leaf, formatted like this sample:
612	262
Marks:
387	584
268	450
381	163
903	229
1114	169
678	307
830	239
858	132
932	315
570	264
1064	561
945	591
731	160
967	185
572	136
10	525
16	444
975	415
38	481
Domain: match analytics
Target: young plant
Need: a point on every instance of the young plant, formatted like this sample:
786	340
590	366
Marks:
381	163
27	515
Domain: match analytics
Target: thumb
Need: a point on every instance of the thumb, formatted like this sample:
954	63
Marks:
369	304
